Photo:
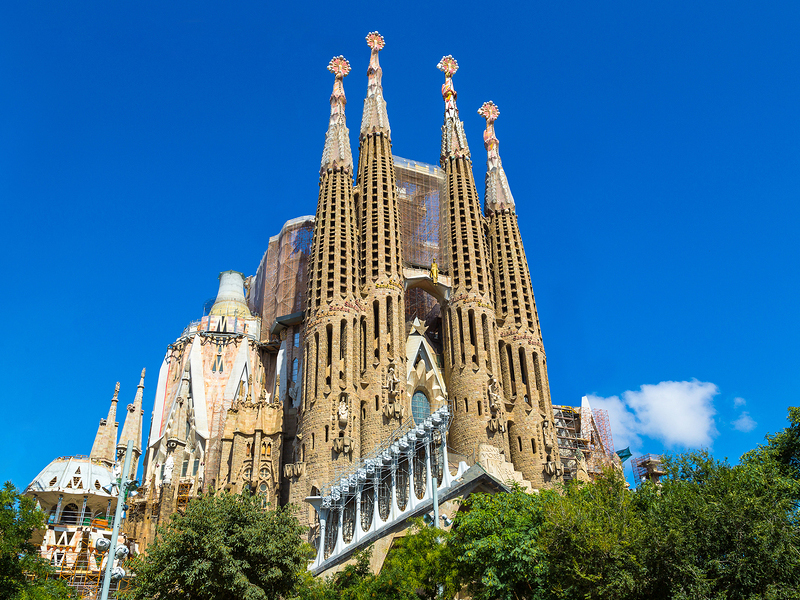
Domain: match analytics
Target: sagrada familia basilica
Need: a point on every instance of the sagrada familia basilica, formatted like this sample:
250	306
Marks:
386	355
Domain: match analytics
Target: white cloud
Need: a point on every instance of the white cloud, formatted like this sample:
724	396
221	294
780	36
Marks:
739	402
680	414
744	423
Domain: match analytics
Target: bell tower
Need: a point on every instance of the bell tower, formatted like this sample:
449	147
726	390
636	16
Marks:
469	319
523	366
329	433
382	351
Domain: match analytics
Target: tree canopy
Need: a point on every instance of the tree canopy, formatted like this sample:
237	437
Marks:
223	547
710	530
23	573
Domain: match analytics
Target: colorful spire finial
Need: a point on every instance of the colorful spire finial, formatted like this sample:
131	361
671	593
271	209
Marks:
448	65
498	194
374	119
337	152
489	111
339	66
454	140
375	40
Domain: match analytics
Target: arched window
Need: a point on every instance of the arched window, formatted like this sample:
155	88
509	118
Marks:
420	407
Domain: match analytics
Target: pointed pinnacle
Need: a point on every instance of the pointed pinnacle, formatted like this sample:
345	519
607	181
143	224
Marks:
374	119
454	140
498	196
337	152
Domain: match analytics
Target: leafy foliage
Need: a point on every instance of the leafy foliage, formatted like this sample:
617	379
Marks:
223	548
19	558
496	549
710	530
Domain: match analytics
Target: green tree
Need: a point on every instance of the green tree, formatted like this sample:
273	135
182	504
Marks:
591	537
224	547
23	573
495	547
356	582
782	448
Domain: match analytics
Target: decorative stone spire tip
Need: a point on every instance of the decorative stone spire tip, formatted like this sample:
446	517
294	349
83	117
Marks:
116	392
454	140
375	118
337	152
498	195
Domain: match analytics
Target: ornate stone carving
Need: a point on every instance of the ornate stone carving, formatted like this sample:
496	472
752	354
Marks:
343	444
294	470
343	411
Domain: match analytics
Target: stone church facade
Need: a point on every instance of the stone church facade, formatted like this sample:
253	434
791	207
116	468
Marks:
400	296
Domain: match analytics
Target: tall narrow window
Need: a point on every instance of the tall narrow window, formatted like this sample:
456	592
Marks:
295	369
376	328
389	321
329	354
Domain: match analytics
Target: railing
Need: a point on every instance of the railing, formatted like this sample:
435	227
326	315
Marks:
74	518
386	487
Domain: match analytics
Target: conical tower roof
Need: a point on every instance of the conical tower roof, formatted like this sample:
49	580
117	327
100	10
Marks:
454	140
132	428
337	152
106	439
498	194
375	118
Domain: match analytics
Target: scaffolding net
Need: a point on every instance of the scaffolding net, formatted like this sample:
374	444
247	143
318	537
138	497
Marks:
420	187
280	284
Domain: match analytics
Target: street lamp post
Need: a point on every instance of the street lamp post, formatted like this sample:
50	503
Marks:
122	490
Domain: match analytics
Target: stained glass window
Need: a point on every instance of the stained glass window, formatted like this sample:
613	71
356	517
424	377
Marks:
420	407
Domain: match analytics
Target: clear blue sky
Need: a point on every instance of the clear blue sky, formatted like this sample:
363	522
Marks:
653	149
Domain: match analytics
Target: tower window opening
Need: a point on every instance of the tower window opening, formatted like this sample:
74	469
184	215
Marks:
376	328
519	441
329	353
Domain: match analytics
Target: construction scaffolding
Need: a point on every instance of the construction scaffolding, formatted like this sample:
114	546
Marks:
76	561
647	468
584	440
280	284
419	189
572	448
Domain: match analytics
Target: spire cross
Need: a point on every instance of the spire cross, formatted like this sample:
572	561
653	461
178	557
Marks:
490	112
448	65
376	43
340	67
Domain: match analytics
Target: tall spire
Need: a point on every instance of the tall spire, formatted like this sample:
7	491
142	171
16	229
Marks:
375	119
381	254
454	141
132	428
106	438
498	194
337	153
